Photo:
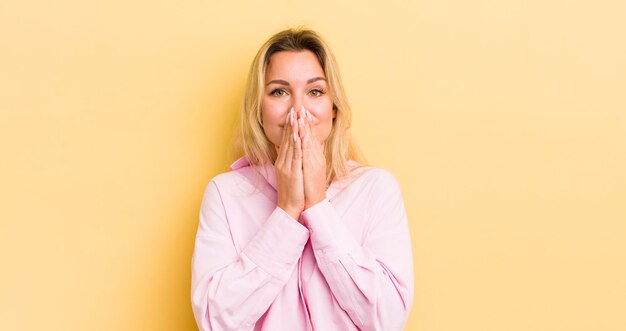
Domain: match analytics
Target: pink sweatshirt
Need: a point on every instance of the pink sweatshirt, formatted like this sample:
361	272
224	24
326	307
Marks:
349	267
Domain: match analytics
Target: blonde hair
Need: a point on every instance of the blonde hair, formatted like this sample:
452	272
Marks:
251	139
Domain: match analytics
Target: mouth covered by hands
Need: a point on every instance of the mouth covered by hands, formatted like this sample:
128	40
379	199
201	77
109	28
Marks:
300	165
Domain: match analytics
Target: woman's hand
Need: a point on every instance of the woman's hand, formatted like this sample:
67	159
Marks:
313	162
288	169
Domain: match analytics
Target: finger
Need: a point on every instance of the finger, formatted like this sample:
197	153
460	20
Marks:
312	135
283	141
297	159
306	140
309	118
290	141
296	142
302	124
296	128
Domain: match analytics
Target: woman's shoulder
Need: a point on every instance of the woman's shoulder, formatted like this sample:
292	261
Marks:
236	178
369	175
227	177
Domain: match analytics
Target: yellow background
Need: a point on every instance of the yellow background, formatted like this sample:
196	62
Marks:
504	121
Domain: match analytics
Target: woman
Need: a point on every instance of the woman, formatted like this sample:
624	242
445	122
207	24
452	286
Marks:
300	235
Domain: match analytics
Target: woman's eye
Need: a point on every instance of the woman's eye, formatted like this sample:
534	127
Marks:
278	92
317	93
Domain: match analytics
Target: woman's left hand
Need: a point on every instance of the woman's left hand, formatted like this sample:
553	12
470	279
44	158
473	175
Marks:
313	162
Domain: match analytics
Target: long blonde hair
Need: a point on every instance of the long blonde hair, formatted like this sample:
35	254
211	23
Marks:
251	139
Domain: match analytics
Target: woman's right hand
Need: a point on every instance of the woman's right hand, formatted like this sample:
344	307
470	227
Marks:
288	169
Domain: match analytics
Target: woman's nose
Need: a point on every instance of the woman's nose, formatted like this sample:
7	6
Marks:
297	105
297	102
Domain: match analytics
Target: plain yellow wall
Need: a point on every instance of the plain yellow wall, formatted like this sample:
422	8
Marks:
504	121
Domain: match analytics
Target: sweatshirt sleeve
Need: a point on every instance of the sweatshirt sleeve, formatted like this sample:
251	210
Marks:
373	282
231	291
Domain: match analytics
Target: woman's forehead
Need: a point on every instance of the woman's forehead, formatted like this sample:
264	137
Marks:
289	65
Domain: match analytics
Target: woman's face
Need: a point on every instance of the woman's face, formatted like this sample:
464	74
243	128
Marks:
296	79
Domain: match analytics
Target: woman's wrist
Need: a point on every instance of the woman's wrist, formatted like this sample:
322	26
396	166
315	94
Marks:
314	202
293	212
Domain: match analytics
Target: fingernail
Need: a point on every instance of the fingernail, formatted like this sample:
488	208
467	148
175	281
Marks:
308	115
291	116
301	121
295	137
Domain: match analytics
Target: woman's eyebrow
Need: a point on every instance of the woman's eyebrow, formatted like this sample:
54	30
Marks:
315	79
277	81
284	82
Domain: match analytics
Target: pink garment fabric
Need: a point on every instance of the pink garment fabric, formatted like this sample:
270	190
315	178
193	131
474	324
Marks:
349	267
